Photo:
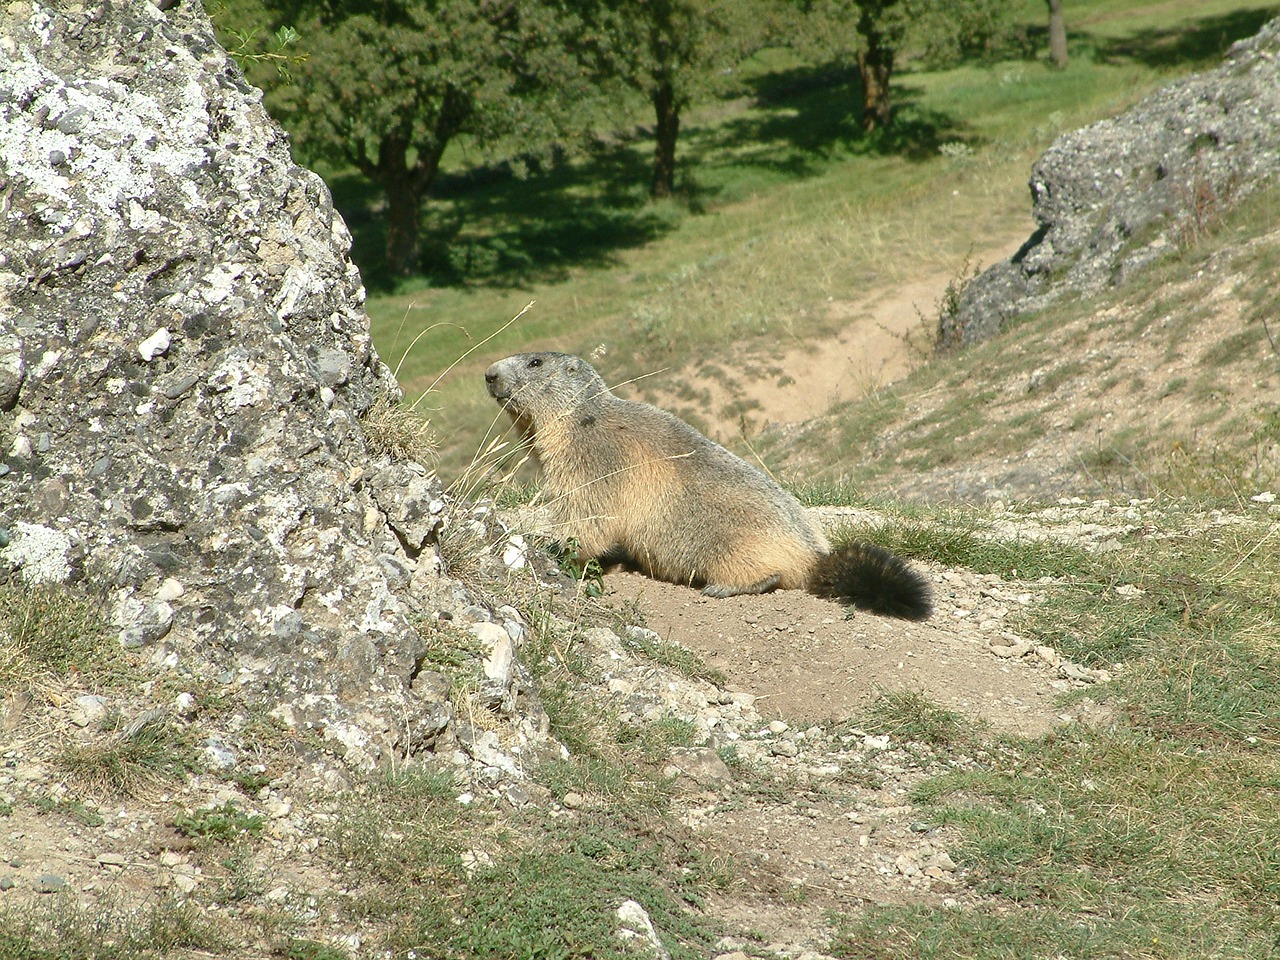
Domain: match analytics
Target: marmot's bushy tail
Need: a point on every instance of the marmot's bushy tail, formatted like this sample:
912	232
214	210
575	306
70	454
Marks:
874	579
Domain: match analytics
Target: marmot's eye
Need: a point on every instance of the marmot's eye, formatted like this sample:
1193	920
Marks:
535	362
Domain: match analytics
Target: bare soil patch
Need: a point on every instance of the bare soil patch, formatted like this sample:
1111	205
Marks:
808	661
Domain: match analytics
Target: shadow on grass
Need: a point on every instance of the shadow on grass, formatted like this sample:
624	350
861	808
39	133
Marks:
808	116
489	227
1198	43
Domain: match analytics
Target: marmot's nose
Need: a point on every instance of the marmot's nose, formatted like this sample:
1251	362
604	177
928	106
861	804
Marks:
491	375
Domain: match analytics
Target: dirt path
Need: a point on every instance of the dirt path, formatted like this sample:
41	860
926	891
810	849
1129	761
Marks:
883	337
807	663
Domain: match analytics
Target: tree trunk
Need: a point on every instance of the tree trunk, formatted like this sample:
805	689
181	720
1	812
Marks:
402	227
875	66
405	186
667	112
1057	35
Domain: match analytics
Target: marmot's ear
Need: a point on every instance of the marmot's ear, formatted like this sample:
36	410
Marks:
573	365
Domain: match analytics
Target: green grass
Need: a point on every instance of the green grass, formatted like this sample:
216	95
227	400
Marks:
223	824
449	879
1152	835
961	538
910	715
48	632
128	762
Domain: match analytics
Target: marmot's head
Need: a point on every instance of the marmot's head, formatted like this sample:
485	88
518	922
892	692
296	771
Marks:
533	386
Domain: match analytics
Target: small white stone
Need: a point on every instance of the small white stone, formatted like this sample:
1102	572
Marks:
636	927
155	345
87	710
515	556
185	884
171	589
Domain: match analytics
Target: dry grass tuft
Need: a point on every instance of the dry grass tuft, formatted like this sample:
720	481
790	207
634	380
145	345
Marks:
398	431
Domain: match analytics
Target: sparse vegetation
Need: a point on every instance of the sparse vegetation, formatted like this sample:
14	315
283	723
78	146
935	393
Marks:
911	715
224	824
62	928
134	758
532	885
589	574
48	632
1161	810
397	430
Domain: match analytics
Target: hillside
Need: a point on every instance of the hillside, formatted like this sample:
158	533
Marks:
789	228
267	690
1166	386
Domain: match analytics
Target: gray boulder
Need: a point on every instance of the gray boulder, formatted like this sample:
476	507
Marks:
184	362
1121	193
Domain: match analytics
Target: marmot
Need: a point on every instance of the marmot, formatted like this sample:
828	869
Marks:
638	486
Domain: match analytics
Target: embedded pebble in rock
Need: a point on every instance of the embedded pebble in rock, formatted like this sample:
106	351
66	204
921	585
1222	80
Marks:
155	345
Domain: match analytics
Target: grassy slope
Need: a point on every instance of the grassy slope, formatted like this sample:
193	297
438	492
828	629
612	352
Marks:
1152	835
1166	385
793	210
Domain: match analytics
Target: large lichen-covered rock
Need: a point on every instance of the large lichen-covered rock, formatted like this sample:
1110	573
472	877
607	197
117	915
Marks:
1119	194
184	361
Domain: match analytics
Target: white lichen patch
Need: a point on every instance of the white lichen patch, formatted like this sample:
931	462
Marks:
240	381
41	553
50	144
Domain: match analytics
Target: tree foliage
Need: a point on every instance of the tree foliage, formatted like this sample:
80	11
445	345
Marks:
388	85
874	34
672	51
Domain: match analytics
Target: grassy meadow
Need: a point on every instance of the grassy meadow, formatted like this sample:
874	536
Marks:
785	209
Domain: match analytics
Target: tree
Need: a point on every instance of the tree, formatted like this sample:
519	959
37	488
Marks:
881	25
671	51
388	85
1057	34
876	31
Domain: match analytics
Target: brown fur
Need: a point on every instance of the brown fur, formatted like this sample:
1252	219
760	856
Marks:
631	482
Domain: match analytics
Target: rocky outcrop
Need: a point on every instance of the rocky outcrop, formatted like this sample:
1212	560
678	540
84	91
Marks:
184	364
1121	193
